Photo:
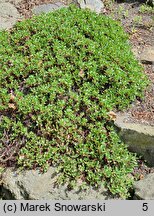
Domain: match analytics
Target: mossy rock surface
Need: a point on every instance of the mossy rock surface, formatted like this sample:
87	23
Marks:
62	73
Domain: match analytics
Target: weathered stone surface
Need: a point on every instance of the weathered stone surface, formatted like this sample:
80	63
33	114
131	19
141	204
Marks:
139	138
45	8
94	5
13	1
144	189
32	185
8	15
147	55
4	1
136	52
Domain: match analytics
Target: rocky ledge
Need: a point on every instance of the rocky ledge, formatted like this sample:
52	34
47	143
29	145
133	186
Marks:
138	137
32	185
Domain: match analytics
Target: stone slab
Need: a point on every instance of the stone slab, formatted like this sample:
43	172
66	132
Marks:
144	189
139	138
147	55
94	5
46	8
11	1
31	185
8	15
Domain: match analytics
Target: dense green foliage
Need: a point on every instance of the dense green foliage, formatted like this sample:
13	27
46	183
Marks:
61	75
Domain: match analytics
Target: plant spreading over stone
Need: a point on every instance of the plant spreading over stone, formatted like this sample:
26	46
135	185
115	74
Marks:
62	73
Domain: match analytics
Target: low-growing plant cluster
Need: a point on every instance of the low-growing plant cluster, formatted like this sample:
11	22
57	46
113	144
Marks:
62	74
145	8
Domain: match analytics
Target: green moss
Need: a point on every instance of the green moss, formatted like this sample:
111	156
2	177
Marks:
61	74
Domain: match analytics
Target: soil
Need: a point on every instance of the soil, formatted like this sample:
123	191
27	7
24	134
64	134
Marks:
141	35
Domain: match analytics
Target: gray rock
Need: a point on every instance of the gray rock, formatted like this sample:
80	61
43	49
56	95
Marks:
8	15
32	185
13	1
144	189
4	1
45	8
147	55
139	138
136	52
94	5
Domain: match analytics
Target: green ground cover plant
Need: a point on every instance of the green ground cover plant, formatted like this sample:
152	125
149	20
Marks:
61	75
145	8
